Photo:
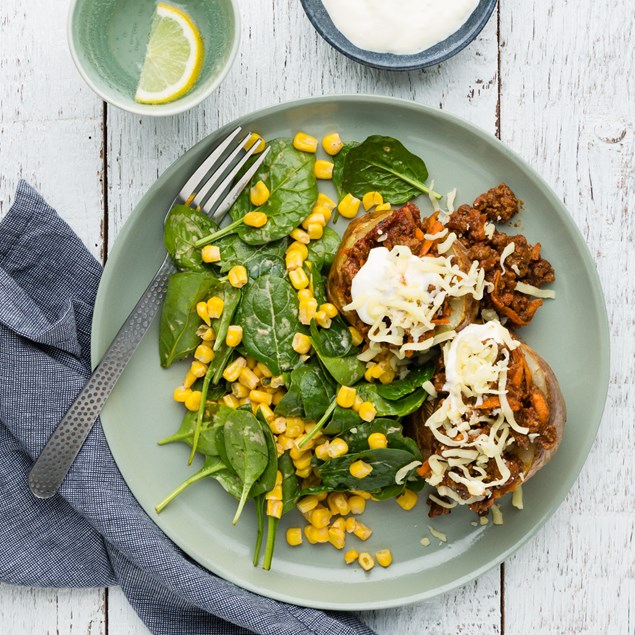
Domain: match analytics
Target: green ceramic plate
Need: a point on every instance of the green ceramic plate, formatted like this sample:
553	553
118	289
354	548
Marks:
570	332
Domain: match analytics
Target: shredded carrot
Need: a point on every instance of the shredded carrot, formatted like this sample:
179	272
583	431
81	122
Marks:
434	226
535	252
527	373
540	405
440	321
508	311
424	470
489	404
419	234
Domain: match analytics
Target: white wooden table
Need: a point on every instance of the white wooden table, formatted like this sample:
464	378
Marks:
554	80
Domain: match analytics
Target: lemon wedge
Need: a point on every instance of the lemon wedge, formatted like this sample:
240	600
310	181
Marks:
174	57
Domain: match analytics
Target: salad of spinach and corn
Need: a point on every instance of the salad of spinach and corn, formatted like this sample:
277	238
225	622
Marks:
276	399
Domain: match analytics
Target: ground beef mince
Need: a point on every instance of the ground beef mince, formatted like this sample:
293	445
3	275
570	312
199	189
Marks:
524	264
402	227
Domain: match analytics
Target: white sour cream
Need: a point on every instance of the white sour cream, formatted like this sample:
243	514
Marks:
402	27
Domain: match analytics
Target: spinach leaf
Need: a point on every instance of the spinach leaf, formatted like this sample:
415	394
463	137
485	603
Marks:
343	419
402	387
386	408
269	316
384	165
183	227
322	251
385	462
226	478
259	260
291	404
231	297
288	173
338	168
247	451
357	436
335	341
179	320
347	369
267	480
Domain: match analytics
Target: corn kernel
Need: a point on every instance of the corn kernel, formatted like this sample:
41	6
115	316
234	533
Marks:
330	309
322	451
377	441
407	500
384	557
248	378
267	412
278	477
278	396
337	447
339	524
325	201
323	169
315	231
384	207
332	143
238	277
286	442
260	397
181	393
351	556
299	279
351	523
309	533
234	335
356	336
321	496
323	211
305	142
252	362
204	353
370	199
314	218
338	503
346	397
201	310
321	534
301	247
190	378
307	504
255	219
231	402
254	139
206	333
193	400
320	517
295	427
274	508
258	195
215	307
264	369
307	311
304	295
349	206
300	236
357	504
336	537
360	492
303	461
210	253
323	320
301	343
358	402
294	536
361	531
275	493
387	377
244	402
366	561
232	371
367	411
360	469
198	369
293	260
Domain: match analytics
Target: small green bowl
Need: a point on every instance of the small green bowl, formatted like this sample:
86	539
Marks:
108	39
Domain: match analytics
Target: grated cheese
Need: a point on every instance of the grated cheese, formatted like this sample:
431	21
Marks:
437	534
399	295
425	541
489	230
403	472
508	251
517	497
529	289
497	515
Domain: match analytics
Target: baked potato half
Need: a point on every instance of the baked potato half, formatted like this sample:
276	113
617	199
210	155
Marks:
401	227
528	441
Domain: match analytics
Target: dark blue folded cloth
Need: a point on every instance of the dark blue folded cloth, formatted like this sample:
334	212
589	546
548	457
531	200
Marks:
93	533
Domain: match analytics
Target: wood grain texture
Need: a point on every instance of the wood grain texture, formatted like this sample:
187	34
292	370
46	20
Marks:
50	135
568	107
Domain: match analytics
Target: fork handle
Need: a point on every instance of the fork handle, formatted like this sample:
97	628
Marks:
64	444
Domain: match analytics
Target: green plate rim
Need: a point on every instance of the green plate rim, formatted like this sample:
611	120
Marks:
596	293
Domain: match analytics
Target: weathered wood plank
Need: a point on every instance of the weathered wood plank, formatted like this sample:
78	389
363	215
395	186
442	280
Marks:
568	106
50	135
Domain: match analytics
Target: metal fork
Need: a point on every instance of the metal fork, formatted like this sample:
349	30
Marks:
204	190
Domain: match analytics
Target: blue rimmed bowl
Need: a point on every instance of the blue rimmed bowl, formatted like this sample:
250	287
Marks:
320	19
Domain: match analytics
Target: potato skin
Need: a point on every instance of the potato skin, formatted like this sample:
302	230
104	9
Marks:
544	379
339	281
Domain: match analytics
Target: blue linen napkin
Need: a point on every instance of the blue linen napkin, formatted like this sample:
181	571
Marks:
93	533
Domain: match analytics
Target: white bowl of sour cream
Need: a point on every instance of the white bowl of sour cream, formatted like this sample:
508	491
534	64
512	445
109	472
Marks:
399	34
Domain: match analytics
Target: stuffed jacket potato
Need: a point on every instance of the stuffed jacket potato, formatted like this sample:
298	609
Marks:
496	418
401	282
